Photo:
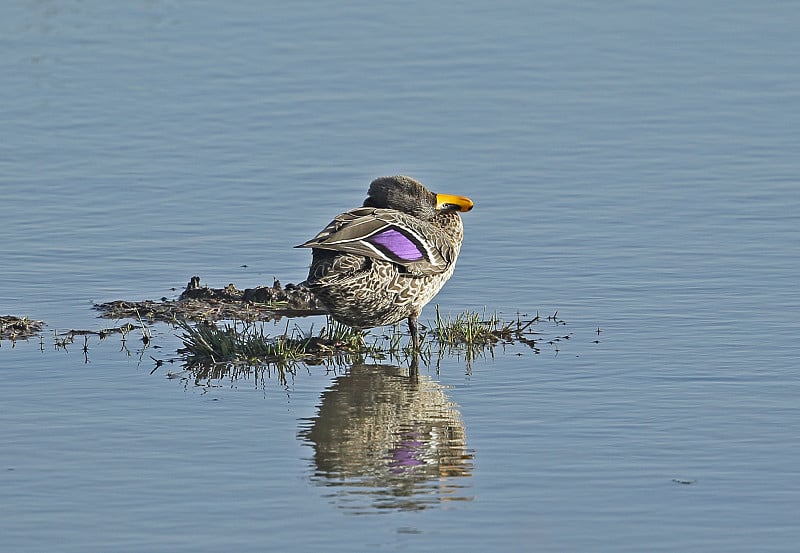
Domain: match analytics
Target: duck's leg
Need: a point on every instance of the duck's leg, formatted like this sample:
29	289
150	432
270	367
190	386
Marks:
414	329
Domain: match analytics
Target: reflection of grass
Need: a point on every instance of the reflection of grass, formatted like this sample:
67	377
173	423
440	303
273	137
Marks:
247	343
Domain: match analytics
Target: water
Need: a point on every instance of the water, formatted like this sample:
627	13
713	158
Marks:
634	168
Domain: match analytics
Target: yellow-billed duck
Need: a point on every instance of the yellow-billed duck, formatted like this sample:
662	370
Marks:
378	264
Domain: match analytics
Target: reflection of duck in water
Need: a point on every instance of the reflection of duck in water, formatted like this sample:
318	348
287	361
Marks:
395	434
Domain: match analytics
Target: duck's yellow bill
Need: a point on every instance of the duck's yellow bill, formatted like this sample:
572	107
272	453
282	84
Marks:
448	201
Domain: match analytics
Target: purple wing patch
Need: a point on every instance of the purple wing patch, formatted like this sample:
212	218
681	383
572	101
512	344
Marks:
397	244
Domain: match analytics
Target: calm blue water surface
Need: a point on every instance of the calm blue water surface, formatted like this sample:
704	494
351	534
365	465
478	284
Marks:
634	167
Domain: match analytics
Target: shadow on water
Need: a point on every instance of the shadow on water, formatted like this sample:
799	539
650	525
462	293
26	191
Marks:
386	438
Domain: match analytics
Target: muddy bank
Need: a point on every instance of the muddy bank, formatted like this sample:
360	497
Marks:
202	303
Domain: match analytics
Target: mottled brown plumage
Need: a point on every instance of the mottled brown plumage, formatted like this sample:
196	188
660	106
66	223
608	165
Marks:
382	262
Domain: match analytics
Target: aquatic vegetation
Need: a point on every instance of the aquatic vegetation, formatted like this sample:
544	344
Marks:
243	342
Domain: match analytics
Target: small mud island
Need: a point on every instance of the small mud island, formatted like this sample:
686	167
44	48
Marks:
18	328
202	303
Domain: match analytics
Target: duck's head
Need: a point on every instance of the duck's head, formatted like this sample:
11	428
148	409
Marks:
410	196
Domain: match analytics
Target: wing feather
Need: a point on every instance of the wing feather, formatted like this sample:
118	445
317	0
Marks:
388	235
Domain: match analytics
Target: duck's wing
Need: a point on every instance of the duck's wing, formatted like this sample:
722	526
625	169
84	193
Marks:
388	235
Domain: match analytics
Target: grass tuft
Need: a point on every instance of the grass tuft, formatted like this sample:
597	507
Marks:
247	343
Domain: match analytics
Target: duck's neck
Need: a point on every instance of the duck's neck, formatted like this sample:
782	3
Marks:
451	223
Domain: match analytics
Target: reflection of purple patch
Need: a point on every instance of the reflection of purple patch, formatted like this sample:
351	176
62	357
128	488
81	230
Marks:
406	455
398	244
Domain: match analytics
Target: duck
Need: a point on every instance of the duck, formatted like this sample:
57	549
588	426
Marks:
380	263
